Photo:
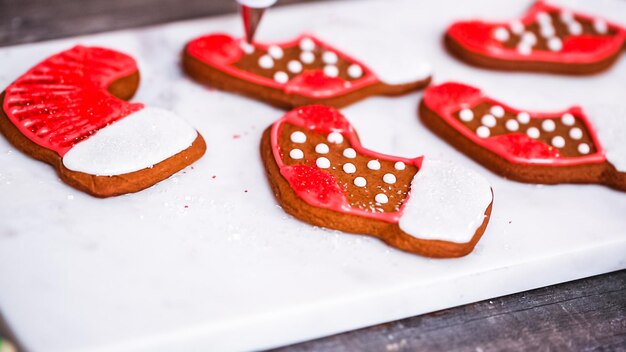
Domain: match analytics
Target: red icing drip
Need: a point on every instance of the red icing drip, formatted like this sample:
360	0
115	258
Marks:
317	187
64	99
221	51
447	98
476	36
320	118
524	147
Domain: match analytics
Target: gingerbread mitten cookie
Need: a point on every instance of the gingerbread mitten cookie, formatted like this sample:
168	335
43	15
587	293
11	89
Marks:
299	72
534	147
322	175
546	39
69	111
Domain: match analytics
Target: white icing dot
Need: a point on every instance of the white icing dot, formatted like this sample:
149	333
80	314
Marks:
600	26
355	71
555	44
307	44
275	51
523	117
373	165
329	57
335	137
543	18
497	111
512	125
576	133
349	168
533	132
524	48
583	148
517	27
567	16
322	163
488	120
389	178
483	132
558	142
360	182
399	165
331	71
568	119
266	62
501	34
547	31
296	154
307	57
294	66
548	125
322	148
466	115
529	38
381	198
349	153
246	47
281	77
575	28
298	137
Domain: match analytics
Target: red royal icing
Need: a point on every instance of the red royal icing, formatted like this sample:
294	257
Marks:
221	51
448	98
318	187
64	99
477	36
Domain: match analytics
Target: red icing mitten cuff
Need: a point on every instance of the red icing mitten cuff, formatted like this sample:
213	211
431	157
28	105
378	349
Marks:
70	111
302	71
535	147
547	38
322	175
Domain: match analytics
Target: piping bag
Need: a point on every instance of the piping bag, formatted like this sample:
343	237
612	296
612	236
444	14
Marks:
251	13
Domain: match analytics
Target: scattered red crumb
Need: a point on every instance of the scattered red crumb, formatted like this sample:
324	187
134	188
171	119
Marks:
236	136
214	177
510	221
245	190
186	206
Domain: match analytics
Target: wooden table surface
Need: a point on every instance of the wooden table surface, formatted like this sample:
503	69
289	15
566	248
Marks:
588	314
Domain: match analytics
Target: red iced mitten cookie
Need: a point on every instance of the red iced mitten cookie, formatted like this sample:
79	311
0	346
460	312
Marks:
322	175
69	112
545	39
295	73
532	147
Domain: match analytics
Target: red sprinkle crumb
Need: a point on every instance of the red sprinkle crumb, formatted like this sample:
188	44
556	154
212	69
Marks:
236	136
246	190
186	206
214	177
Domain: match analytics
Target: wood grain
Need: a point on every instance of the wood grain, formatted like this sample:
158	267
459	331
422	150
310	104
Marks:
583	315
588	314
27	21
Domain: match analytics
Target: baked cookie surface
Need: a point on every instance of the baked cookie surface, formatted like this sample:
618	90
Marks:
70	111
298	72
322	175
545	39
534	147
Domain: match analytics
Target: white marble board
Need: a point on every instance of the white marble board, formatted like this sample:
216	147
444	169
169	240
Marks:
206	260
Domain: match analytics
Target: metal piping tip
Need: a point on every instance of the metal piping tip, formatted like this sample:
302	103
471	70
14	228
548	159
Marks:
251	17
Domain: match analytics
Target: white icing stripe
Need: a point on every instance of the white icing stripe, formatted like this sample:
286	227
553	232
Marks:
610	124
392	64
447	202
139	141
